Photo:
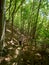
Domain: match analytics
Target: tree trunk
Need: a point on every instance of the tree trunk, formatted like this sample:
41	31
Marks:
2	22
1	12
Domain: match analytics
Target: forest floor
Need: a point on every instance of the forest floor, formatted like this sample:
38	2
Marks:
21	52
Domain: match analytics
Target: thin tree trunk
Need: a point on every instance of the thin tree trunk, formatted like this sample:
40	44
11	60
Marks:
2	22
1	3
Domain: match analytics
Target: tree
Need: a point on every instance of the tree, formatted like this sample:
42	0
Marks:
1	12
2	22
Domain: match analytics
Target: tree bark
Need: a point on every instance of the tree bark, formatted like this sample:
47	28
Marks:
1	12
2	22
2	18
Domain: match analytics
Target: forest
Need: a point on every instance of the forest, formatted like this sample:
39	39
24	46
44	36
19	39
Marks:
24	32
